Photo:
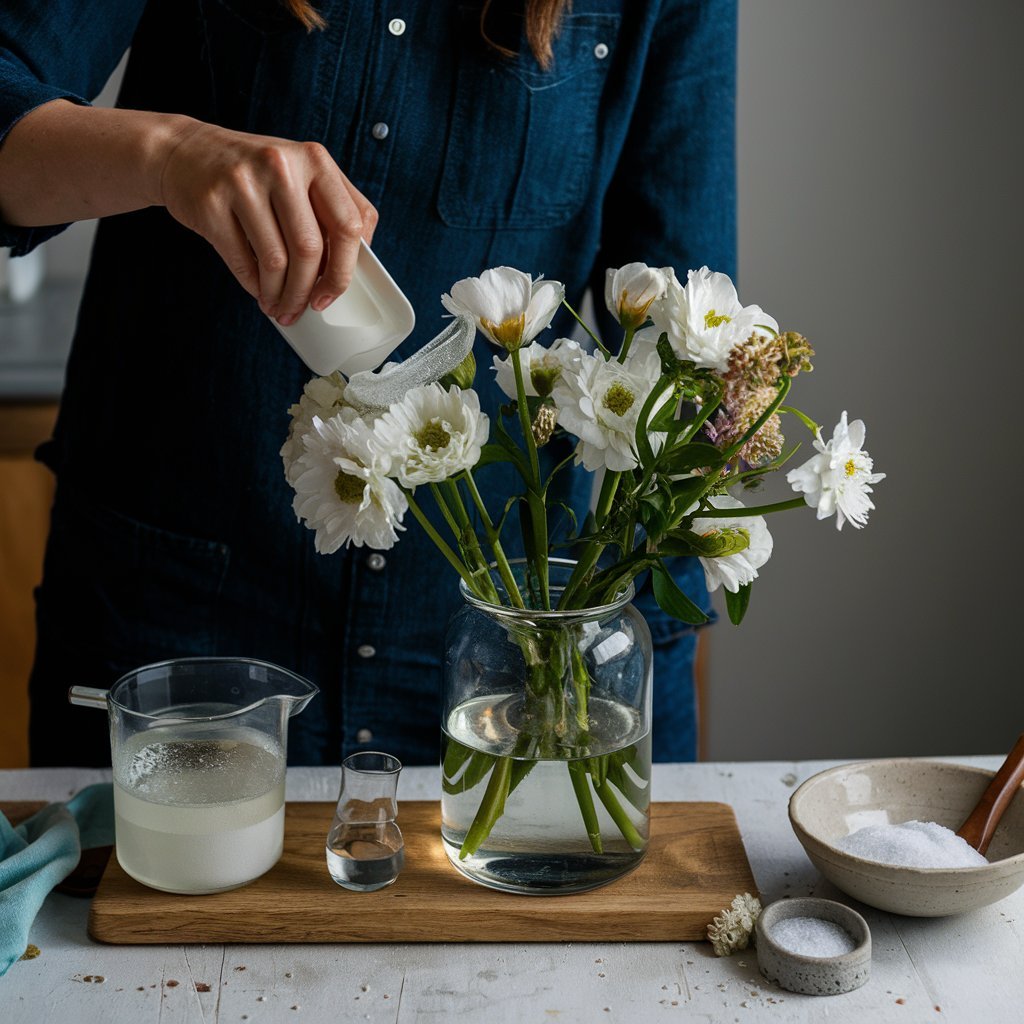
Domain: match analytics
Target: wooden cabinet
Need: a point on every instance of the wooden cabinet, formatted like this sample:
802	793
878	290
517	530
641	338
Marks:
26	493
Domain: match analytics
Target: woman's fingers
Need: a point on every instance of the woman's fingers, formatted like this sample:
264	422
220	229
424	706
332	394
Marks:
281	214
233	247
342	225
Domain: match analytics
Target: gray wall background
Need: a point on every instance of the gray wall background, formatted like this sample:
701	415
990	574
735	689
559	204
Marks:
880	168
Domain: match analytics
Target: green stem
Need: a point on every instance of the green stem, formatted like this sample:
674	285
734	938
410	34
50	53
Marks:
627	341
446	512
504	569
813	427
491	807
592	552
619	816
469	543
534	498
439	542
596	340
753	510
578	775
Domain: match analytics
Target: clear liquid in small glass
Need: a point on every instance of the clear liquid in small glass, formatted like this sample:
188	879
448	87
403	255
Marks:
365	850
365	857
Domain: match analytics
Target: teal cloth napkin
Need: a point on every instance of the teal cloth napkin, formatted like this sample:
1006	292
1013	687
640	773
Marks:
40	853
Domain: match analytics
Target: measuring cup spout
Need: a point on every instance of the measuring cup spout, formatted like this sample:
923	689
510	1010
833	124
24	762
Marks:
295	702
88	697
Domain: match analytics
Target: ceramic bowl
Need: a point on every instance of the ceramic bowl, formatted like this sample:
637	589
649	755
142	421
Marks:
841	800
814	975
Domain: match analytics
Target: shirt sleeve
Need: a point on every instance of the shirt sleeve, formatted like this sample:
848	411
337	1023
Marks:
672	199
56	49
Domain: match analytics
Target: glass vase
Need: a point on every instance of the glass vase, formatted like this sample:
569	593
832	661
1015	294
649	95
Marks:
546	747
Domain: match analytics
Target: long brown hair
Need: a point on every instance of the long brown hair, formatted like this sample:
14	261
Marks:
543	20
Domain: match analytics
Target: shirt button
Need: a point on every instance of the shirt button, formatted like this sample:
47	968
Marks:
396	26
380	130
600	51
364	736
366	650
376	562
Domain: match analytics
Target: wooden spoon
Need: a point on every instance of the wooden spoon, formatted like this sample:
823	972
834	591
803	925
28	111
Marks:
982	821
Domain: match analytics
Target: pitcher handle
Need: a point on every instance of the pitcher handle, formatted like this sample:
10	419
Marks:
88	697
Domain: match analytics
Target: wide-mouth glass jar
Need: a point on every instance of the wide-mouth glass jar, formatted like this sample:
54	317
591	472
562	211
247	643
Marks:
546	748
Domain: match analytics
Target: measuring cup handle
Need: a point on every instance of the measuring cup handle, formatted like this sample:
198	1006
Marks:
88	697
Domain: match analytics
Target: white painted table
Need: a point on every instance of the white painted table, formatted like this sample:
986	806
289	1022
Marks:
971	966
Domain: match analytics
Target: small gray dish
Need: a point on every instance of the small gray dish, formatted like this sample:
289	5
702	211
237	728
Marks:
814	975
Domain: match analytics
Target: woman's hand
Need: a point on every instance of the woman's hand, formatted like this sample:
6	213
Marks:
281	214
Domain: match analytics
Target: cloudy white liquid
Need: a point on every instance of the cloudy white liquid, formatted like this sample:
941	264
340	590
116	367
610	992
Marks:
198	815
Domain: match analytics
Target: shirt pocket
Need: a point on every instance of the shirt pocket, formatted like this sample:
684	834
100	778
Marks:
522	141
123	593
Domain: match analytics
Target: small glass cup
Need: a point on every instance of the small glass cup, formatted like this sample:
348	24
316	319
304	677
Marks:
365	848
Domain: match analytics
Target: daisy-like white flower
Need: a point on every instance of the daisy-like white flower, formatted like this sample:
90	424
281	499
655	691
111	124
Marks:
704	319
509	306
630	291
600	401
430	435
542	367
341	489
734	571
837	481
323	397
732	929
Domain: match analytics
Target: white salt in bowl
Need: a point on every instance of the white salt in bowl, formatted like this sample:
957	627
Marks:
836	802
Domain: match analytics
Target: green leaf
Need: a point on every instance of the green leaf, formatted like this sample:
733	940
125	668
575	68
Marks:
690	456
736	604
490	453
672	600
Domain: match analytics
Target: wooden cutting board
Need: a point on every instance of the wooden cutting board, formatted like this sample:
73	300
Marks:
695	865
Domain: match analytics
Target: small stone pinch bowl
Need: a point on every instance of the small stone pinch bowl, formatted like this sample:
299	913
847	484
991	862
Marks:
836	802
814	975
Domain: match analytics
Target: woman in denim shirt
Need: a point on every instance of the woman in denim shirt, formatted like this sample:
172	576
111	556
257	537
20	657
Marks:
172	531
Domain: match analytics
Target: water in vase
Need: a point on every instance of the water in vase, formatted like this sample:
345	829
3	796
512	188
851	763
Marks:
540	843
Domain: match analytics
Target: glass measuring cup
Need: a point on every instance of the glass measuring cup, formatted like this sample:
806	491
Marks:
365	848
198	750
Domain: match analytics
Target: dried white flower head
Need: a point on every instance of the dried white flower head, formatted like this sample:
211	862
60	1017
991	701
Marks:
732	929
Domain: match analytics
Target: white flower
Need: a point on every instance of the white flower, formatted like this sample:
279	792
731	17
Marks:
734	571
838	479
542	367
323	397
732	929
341	490
431	434
600	400
508	305
704	320
630	291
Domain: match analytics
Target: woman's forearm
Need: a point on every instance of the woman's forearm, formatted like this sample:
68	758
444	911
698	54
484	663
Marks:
65	162
281	214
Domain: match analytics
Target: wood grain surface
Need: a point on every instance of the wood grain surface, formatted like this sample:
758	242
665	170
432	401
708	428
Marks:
695	865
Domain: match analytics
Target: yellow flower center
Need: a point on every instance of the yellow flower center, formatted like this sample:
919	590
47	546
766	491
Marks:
619	399
850	467
433	435
713	319
349	488
509	333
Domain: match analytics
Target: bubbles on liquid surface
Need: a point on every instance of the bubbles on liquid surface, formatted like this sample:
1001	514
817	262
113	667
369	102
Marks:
182	768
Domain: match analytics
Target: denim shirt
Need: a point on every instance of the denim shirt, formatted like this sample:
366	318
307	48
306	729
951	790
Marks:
173	532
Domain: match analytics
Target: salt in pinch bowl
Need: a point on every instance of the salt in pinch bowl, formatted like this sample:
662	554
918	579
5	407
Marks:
841	800
814	975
